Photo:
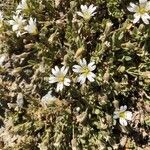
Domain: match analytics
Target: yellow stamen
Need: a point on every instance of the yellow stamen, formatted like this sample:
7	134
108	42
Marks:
142	10
122	115
85	71
61	78
87	15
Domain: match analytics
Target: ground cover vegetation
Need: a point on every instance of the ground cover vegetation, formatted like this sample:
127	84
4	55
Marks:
74	74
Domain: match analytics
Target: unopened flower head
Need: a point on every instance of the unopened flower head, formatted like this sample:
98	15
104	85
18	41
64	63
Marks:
23	6
123	115
1	19
141	10
59	76
87	12
2	59
17	24
31	27
48	99
85	71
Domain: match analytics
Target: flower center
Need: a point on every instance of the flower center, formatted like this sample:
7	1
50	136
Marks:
61	78
20	23
85	71
121	115
34	30
142	10
87	15
25	7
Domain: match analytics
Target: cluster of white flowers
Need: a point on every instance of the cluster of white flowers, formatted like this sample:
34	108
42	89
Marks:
141	10
84	70
123	115
19	24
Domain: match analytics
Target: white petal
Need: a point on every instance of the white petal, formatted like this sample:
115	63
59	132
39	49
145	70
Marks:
26	27
18	33
136	17
52	79
56	68
31	21
59	86
91	77
128	115
54	72
145	18
11	22
24	2
15	27
146	15
93	14
91	66
18	11
92	8
123	108
131	9
62	69
15	17
123	122
116	115
83	62
67	82
80	14
84	8
133	5
81	79
23	22
142	1
77	68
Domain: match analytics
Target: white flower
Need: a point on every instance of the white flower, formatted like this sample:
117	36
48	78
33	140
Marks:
87	12
141	11
23	6
123	115
59	77
1	19
48	99
85	71
17	24
31	27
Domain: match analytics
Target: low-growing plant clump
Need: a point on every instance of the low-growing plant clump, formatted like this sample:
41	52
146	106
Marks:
74	74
